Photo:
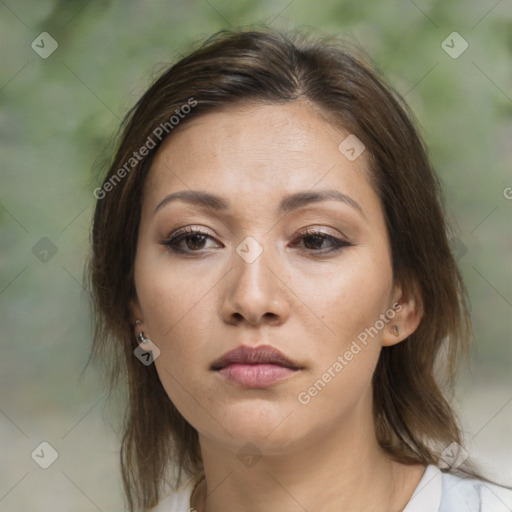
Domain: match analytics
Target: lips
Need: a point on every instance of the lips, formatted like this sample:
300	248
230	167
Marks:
254	367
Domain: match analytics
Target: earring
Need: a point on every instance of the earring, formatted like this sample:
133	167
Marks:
143	338
395	330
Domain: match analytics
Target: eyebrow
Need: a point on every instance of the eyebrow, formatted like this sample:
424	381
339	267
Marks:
208	201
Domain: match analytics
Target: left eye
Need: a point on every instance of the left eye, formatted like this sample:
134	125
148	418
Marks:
314	240
193	240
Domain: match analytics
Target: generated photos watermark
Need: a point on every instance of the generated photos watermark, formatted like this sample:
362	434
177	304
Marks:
157	135
343	360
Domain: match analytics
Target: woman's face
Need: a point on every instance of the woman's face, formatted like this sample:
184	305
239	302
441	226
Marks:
292	253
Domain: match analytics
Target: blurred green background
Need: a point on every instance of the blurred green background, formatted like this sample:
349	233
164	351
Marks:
58	115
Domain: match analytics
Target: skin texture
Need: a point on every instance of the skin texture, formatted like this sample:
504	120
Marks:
296	296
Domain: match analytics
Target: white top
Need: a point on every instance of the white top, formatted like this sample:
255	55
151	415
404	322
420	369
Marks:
436	492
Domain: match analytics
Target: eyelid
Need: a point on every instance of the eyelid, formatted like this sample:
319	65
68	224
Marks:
172	241
201	230
190	229
316	229
338	242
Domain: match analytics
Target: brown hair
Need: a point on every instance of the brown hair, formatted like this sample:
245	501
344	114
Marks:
414	421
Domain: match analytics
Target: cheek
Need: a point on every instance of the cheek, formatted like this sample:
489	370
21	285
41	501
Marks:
178	307
344	300
171	294
351	305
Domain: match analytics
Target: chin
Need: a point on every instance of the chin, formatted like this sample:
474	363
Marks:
261	422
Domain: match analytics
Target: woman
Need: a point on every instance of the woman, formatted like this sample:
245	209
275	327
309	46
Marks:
270	261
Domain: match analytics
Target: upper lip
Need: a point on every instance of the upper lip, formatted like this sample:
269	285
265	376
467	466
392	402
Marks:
253	355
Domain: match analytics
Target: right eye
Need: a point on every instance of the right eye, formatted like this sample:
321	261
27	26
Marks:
187	241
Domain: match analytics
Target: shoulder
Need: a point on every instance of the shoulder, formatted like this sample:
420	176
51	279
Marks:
179	501
440	491
437	491
473	495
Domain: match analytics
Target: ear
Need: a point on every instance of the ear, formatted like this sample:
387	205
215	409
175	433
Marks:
136	318
408	311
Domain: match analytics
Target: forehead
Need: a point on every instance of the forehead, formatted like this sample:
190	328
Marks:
257	152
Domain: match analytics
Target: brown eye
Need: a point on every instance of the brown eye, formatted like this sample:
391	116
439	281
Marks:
320	242
194	242
187	241
314	241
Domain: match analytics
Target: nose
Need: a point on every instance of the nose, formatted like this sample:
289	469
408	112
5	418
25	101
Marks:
255	292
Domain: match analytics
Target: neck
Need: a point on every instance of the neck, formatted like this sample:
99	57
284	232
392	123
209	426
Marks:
340	470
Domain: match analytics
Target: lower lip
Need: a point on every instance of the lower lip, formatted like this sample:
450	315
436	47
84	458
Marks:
255	375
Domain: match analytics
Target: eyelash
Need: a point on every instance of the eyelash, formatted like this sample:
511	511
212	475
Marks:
174	240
